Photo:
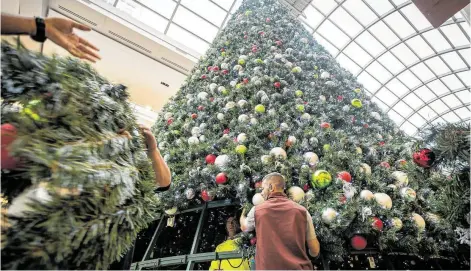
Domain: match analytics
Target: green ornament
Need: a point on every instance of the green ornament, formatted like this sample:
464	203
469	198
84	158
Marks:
260	108
316	68
227	42
259	61
298	93
241	61
238	86
241	149
357	90
225	91
33	103
321	179
176	132
248	13
326	147
356	103
296	70
300	107
316	76
223	54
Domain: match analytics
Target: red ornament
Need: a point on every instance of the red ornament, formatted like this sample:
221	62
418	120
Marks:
204	76
261	33
277	84
377	224
381	143
353	119
424	158
245	36
258	184
402	162
8	135
221	178
254	49
253	241
222	49
226	131
343	199
385	164
325	125
206	196
211	99
210	159
194	116
245	80
278	42
306	187
366	125
225	72
340	98
305	102
267	20
210	68
345	176
169	121
358	242
201	108
215	69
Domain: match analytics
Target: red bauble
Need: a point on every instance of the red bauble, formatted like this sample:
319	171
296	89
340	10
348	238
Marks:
206	196
424	158
225	72
342	199
345	176
210	68
278	42
222	49
358	242
381	143
194	116
201	108
204	76
215	68
245	36
267	20
169	121
226	131
402	162
221	178
211	99
306	187
277	84
340	98
210	159
377	224
254	49
261	33
253	241
325	125
258	184
366	125
8	135
385	164
245	80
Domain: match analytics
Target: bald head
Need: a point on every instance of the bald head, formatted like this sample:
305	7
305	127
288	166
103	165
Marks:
276	181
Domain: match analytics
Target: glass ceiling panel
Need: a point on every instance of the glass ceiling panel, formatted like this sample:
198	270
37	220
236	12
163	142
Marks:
376	55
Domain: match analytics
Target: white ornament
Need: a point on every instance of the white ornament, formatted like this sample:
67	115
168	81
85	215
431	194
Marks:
408	194
171	211
311	158
221	89
309	195
325	75
329	215
253	121
419	221
346	108
168	115
224	66
306	117
348	190
242	138
233	83
265	159
365	213
291	140
202	138
257	199
322	98
383	200
237	67
304	40
271	112
376	115
278	152
193	140
21	204
222	160
284	126
295	193
212	86
195	131
365	168
190	193
243	118
230	105
244	57
220	116
366	195
313	141
242	103
401	178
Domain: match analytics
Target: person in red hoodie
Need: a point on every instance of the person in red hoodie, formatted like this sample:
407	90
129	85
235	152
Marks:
283	228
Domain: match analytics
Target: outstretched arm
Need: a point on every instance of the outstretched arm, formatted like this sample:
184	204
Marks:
58	30
312	242
161	170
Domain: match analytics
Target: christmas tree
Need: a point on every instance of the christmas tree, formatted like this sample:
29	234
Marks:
75	192
267	97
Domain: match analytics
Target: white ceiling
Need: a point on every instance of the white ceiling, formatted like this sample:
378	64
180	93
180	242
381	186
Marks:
417	74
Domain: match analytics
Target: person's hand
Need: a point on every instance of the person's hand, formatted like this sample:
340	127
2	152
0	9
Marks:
151	143
60	31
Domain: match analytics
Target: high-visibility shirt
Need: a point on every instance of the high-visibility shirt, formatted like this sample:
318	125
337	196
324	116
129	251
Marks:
229	264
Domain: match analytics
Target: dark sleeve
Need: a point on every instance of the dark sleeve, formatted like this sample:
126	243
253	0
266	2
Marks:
162	189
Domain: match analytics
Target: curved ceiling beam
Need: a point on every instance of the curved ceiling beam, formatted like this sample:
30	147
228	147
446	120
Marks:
444	113
314	29
381	18
433	100
426	82
423	60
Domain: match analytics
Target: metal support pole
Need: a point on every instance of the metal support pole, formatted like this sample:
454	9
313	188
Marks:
196	240
154	238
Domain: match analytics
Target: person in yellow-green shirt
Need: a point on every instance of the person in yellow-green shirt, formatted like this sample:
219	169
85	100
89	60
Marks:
228	246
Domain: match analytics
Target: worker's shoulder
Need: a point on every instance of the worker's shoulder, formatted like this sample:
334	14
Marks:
299	206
